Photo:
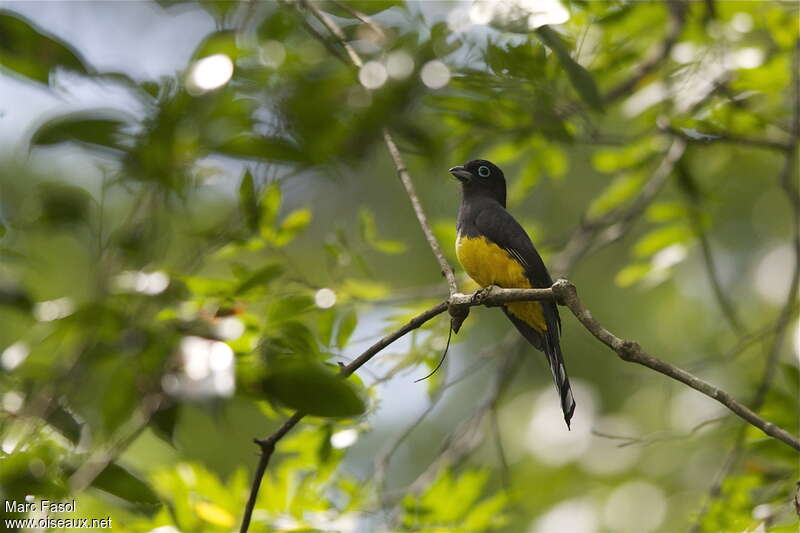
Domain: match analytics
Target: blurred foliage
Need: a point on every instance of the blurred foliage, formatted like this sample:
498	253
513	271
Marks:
209	251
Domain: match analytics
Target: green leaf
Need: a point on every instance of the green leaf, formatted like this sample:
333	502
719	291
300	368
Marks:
98	127
62	203
313	389
15	297
660	238
260	278
29	51
65	423
325	322
270	205
666	212
260	147
621	189
792	375
116	480
294	223
368	7
369	233
220	42
363	289
248	204
346	327
632	274
581	79
164	422
289	307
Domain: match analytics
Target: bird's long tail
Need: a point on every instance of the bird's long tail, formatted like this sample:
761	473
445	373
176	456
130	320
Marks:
559	371
548	342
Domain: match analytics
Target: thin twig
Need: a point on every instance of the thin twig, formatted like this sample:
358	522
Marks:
659	437
405	178
397	158
695	219
363	17
335	30
727	138
383	459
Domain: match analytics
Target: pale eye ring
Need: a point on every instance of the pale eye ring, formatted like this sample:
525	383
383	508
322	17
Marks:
483	171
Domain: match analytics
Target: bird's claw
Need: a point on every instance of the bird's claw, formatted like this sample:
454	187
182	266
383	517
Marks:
479	295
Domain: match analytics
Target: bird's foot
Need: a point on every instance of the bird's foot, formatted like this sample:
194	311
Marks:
479	295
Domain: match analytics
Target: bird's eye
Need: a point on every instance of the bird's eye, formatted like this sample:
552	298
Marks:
483	171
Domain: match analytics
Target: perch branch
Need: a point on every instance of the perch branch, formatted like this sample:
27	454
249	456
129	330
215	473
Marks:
631	351
564	293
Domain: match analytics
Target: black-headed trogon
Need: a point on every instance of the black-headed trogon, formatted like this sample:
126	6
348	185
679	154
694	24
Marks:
495	250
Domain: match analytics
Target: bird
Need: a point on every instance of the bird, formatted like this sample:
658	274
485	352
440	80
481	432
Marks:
494	249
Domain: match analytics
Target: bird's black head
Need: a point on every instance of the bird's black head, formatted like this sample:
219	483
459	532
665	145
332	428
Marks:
482	178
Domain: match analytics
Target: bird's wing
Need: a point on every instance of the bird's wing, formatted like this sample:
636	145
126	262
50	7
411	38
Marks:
499	227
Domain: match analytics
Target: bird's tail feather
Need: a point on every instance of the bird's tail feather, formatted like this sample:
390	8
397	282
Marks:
548	343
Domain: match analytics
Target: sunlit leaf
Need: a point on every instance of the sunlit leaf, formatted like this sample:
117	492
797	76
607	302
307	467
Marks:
270	205
294	223
623	188
666	212
325	322
214	514
632	274
220	42
660	238
363	289
369	232
347	324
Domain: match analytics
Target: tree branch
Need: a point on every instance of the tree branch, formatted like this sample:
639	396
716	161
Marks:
564	293
727	138
631	351
363	17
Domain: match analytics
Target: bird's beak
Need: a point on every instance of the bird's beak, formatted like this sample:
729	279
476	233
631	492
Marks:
461	173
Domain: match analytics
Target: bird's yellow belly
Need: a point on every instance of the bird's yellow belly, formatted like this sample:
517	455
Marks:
488	264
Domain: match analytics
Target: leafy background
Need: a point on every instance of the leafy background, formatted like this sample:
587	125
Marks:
180	266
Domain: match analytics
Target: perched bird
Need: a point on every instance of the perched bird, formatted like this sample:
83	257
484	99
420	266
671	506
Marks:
495	250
